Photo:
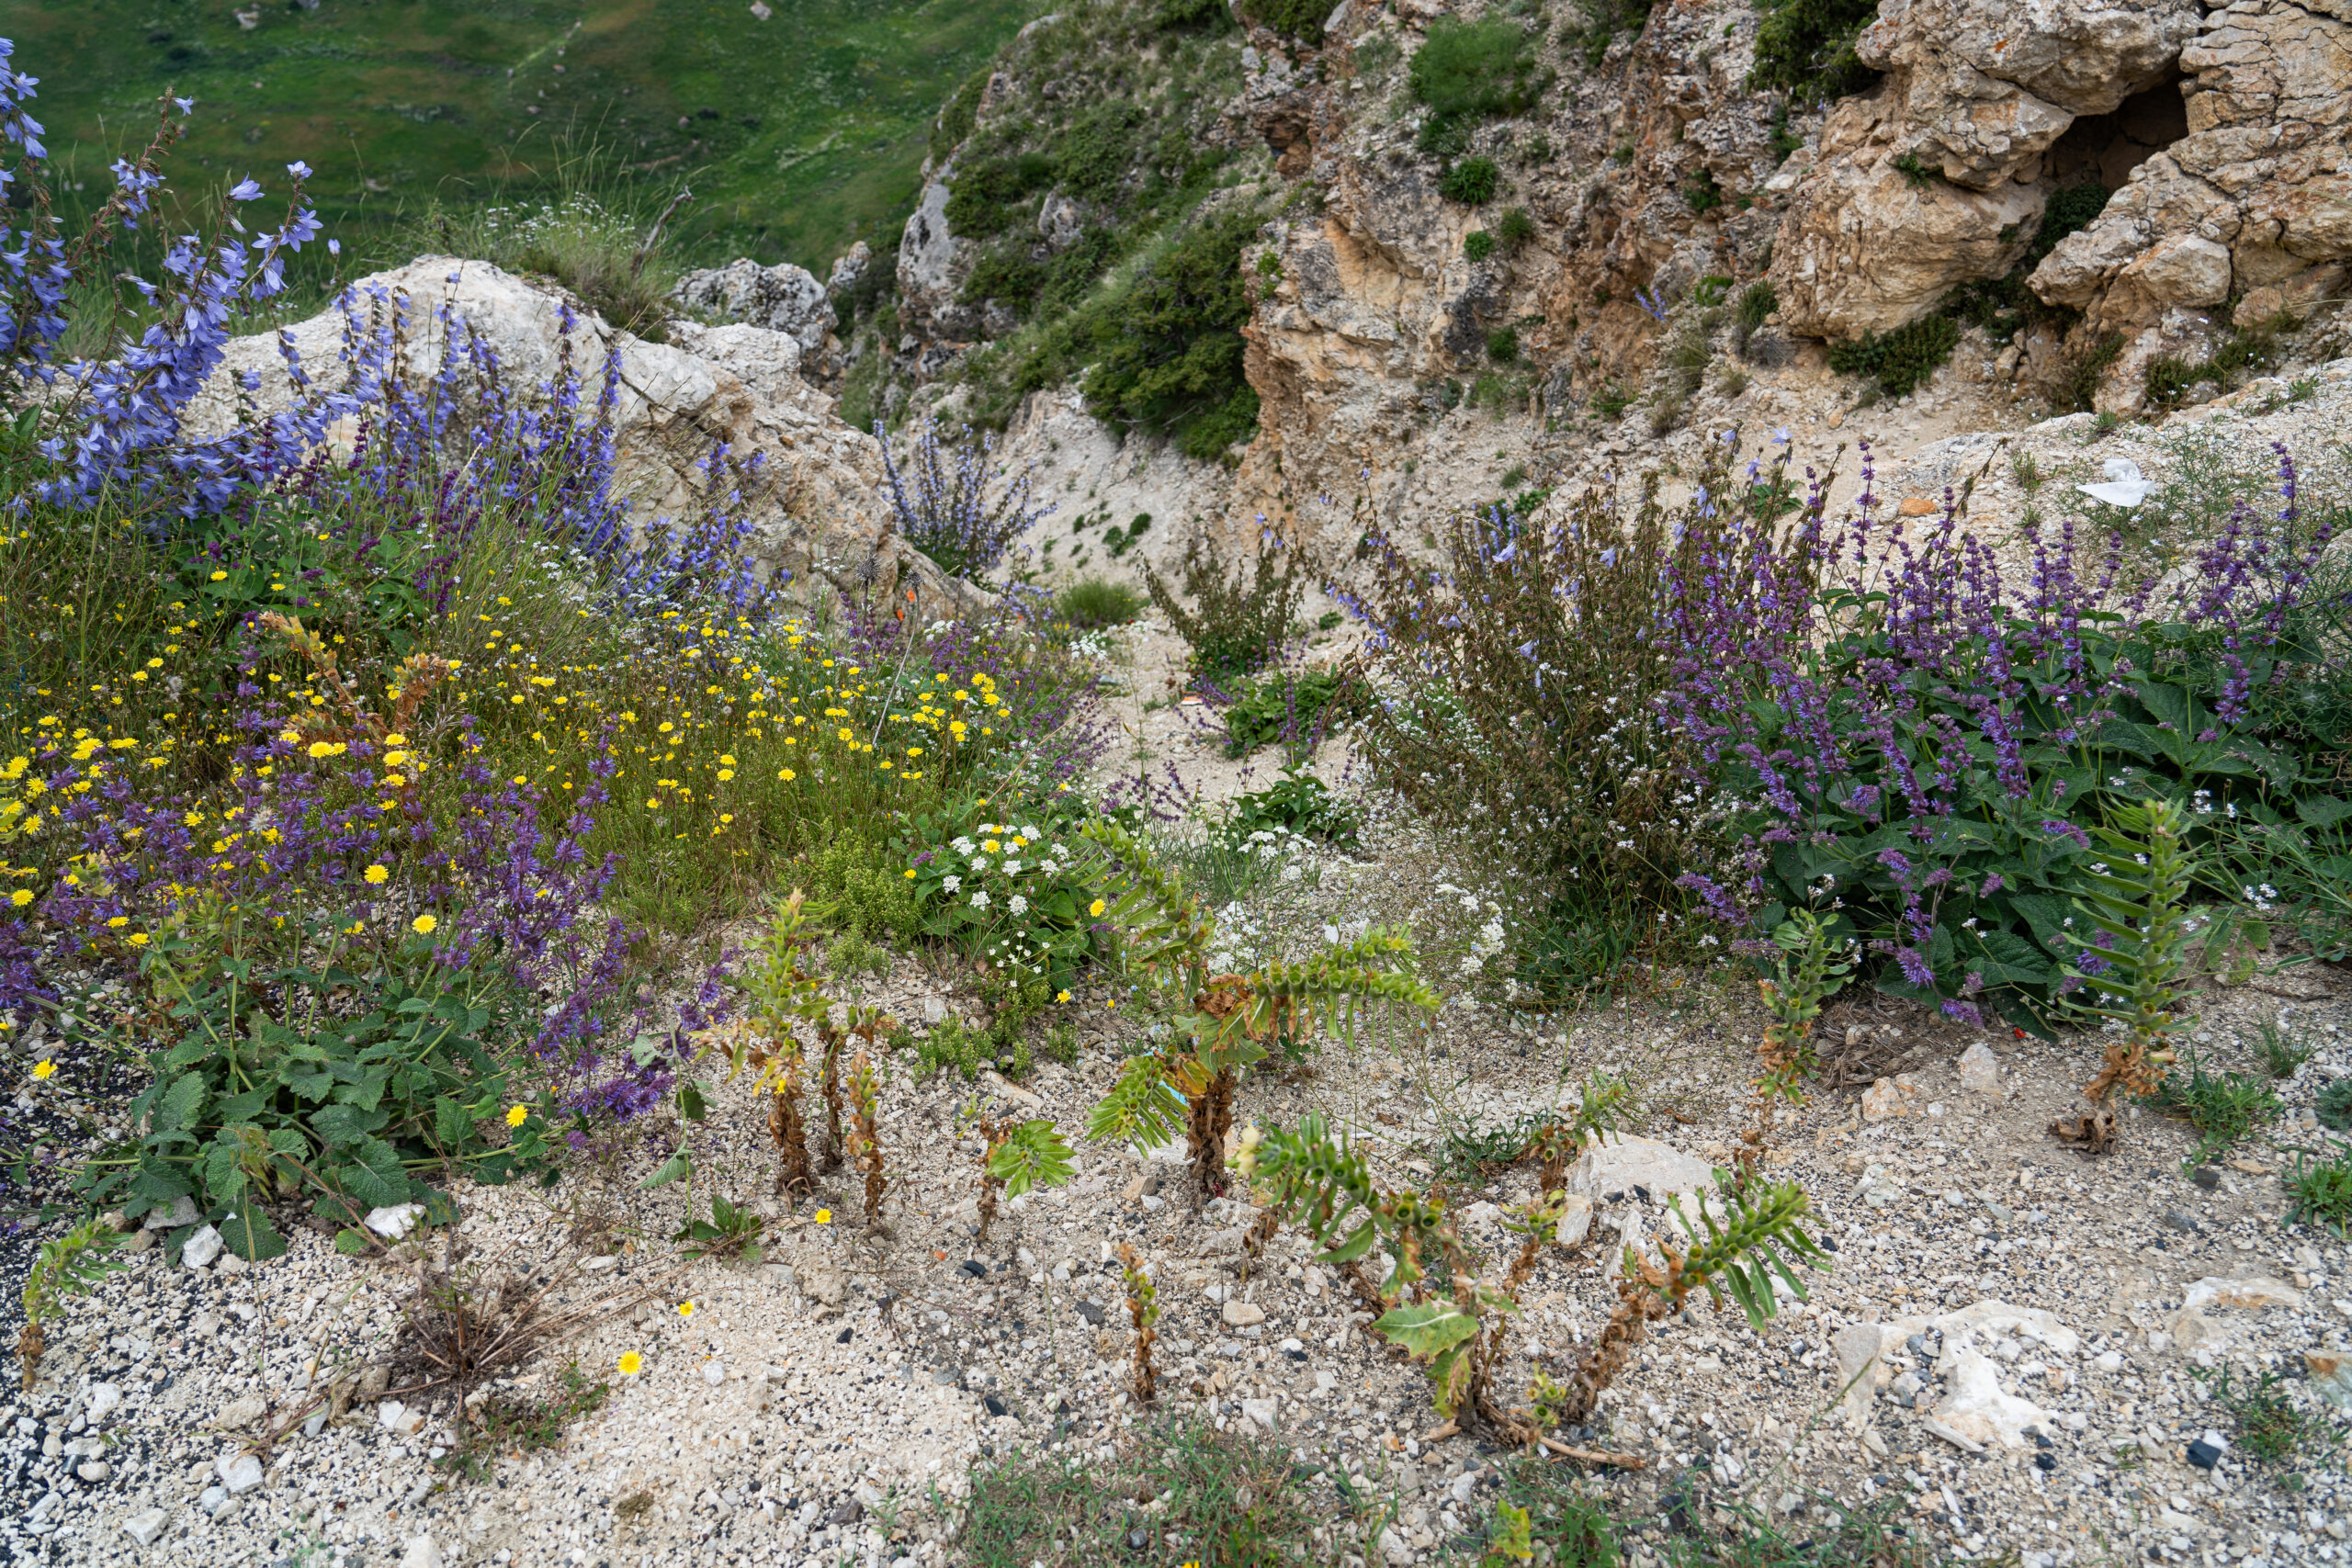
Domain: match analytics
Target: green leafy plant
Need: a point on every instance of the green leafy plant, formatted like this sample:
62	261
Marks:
1241	621
2222	1107
1300	804
1010	893
65	1266
1293	707
1510	1539
1605	21
1026	1154
262	1089
2334	1107
1502	345
1222	1023
1468	72
1514	227
2132	973
1901	358
730	1232
1704	195
1478	245
2321	1187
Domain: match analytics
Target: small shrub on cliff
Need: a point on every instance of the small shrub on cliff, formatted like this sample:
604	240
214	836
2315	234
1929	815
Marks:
1169	352
1298	19
2068	211
1468	72
1477	245
1899	359
1806	47
1514	227
1472	182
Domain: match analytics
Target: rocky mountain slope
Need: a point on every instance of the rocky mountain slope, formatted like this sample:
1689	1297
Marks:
1423	255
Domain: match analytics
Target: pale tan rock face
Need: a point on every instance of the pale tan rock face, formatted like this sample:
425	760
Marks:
822	514
1977	97
2257	198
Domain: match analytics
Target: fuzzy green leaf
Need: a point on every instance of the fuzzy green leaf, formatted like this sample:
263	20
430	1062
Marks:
1425	1330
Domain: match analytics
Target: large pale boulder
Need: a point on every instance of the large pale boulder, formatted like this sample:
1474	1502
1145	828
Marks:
783	299
818	509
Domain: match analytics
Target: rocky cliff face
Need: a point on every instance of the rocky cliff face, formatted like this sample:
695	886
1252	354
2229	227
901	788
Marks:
2036	206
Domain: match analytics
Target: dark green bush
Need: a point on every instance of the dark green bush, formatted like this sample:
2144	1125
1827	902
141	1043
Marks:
955	121
1502	345
1704	195
1899	359
2080	387
1005	272
1916	171
1467	72
1472	182
2066	212
1299	19
1095	153
1756	303
1514	229
1603	20
1168	351
1477	245
1806	47
1202	15
980	201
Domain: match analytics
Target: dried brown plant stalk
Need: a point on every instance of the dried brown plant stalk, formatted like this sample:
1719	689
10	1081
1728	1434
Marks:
1143	1312
865	1137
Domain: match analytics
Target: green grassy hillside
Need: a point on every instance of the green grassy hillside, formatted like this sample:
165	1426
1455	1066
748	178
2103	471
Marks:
798	134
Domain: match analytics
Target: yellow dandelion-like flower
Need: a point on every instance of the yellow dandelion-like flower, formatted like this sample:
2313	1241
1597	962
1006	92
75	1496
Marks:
1096	908
423	925
787	774
44	1069
1061	995
685	1309
909	875
517	1114
824	1217
138	939
375	874
24	896
631	1363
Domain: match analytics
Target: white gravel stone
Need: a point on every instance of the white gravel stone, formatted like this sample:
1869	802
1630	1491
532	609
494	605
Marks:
200	1248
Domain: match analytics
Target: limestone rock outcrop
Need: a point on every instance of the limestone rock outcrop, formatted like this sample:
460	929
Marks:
820	513
2254	202
1940	172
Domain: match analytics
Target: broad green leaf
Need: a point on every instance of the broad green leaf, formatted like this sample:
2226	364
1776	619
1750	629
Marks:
676	1166
1423	1331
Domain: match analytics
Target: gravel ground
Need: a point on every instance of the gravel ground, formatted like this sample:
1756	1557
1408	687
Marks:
826	1403
2014	1325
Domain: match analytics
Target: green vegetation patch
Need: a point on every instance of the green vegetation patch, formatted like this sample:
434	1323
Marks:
798	134
1806	47
1901	358
1468	72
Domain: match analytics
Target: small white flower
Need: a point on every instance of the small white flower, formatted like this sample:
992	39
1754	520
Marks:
1019	905
1013	868
979	863
952	883
980	899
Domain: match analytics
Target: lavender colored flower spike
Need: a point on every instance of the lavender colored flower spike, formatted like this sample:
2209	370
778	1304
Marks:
941	501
